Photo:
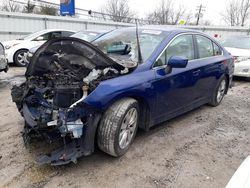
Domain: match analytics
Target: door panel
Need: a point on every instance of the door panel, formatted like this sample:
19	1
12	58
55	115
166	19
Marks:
209	63
186	88
174	91
211	70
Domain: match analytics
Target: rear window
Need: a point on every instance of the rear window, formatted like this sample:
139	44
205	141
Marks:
241	42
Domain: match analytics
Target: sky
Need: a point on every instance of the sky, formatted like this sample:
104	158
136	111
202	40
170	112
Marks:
214	8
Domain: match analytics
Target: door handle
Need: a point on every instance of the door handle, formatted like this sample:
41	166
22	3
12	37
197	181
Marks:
196	72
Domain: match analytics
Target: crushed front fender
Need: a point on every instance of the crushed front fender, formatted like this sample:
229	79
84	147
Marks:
79	147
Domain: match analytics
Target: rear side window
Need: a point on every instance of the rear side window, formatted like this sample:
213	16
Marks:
217	49
205	46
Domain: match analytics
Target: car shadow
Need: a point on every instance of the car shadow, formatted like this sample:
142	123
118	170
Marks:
101	158
237	79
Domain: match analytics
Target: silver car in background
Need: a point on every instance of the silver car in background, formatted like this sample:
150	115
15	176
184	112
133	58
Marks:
3	62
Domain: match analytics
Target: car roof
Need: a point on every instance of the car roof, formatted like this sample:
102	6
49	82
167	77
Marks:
168	28
94	31
40	32
50	30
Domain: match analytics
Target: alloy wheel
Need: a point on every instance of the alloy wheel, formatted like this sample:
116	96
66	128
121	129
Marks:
128	128
21	58
221	91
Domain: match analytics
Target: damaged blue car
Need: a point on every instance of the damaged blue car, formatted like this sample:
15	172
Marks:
100	93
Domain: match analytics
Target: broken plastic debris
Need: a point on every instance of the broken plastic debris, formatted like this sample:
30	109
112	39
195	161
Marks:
94	74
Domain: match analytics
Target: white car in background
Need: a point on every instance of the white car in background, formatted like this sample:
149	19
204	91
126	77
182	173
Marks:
239	47
16	50
87	35
241	178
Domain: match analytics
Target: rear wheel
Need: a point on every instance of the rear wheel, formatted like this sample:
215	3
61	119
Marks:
219	92
20	58
118	127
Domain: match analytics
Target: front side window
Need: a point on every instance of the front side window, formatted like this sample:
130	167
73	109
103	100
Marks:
45	36
55	35
205	47
181	46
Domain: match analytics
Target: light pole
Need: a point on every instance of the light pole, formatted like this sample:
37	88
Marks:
199	14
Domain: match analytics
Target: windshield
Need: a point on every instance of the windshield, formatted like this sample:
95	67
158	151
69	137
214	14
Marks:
236	42
86	35
123	42
31	36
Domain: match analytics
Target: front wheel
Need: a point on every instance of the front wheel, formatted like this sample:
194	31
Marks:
118	127
219	92
20	58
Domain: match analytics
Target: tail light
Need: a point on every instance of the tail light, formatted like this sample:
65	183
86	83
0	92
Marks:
238	59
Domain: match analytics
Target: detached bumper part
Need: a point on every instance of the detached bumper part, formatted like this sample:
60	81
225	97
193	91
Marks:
83	146
76	128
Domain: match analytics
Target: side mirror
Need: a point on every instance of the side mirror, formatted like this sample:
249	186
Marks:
39	38
177	62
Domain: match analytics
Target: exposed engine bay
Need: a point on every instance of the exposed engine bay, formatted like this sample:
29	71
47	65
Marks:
61	74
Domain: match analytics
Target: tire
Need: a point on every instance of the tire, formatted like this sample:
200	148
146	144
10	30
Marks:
115	132
219	92
19	58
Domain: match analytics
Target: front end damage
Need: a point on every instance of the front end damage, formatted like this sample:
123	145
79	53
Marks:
61	75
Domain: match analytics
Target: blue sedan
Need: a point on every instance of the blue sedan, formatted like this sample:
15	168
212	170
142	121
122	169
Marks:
127	79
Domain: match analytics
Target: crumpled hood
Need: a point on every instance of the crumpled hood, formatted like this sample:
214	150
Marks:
75	51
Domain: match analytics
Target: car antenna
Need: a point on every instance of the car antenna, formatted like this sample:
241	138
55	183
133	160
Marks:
138	43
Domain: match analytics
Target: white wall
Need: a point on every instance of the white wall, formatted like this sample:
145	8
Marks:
15	25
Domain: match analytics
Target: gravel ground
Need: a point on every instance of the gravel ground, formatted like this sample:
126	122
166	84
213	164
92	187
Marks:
202	148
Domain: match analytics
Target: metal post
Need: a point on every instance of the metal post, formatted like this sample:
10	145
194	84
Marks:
45	23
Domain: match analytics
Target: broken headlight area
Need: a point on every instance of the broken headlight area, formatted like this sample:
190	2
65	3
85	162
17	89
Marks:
61	74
